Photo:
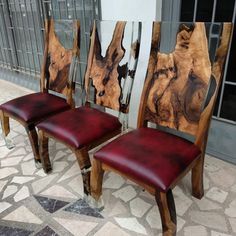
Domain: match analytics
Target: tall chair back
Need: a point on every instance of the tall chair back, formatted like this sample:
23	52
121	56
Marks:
181	87
112	63
62	48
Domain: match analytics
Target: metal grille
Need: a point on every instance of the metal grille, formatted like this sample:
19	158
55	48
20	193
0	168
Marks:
21	30
218	11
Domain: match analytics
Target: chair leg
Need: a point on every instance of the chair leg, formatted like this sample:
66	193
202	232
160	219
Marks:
33	137
44	156
85	166
6	130
197	179
166	204
96	179
5	124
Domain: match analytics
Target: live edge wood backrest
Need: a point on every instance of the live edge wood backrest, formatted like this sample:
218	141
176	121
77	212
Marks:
59	63
181	87
111	71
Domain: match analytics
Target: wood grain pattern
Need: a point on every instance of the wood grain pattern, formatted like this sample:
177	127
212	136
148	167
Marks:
105	72
180	79
171	100
57	61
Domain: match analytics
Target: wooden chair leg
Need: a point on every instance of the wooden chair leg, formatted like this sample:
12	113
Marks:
166	204
85	166
96	179
197	179
33	137
44	156
5	124
6	130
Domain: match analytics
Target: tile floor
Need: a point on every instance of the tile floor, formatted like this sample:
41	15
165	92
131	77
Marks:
33	203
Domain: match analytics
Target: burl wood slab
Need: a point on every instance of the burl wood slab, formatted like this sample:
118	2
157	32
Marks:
105	71
178	81
58	63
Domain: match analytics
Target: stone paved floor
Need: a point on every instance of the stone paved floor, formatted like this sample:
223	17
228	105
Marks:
33	203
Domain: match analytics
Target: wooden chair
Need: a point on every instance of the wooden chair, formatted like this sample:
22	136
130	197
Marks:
179	92
84	128
57	74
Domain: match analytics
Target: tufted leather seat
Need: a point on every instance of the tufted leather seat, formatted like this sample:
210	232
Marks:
81	126
153	157
34	107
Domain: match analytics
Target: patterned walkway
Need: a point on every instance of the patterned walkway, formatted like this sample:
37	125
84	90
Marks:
33	203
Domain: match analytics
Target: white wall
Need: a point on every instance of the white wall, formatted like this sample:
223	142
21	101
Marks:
146	11
133	10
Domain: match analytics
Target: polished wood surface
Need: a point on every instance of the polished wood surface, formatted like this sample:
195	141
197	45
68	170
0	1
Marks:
57	63
179	79
106	71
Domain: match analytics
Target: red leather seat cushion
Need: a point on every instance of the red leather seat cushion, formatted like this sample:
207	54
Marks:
35	107
156	158
80	126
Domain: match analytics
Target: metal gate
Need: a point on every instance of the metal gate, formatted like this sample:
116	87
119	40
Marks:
21	30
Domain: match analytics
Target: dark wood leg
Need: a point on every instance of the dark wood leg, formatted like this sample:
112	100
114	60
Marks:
197	179
6	129
85	166
96	179
44	156
166	204
33	137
